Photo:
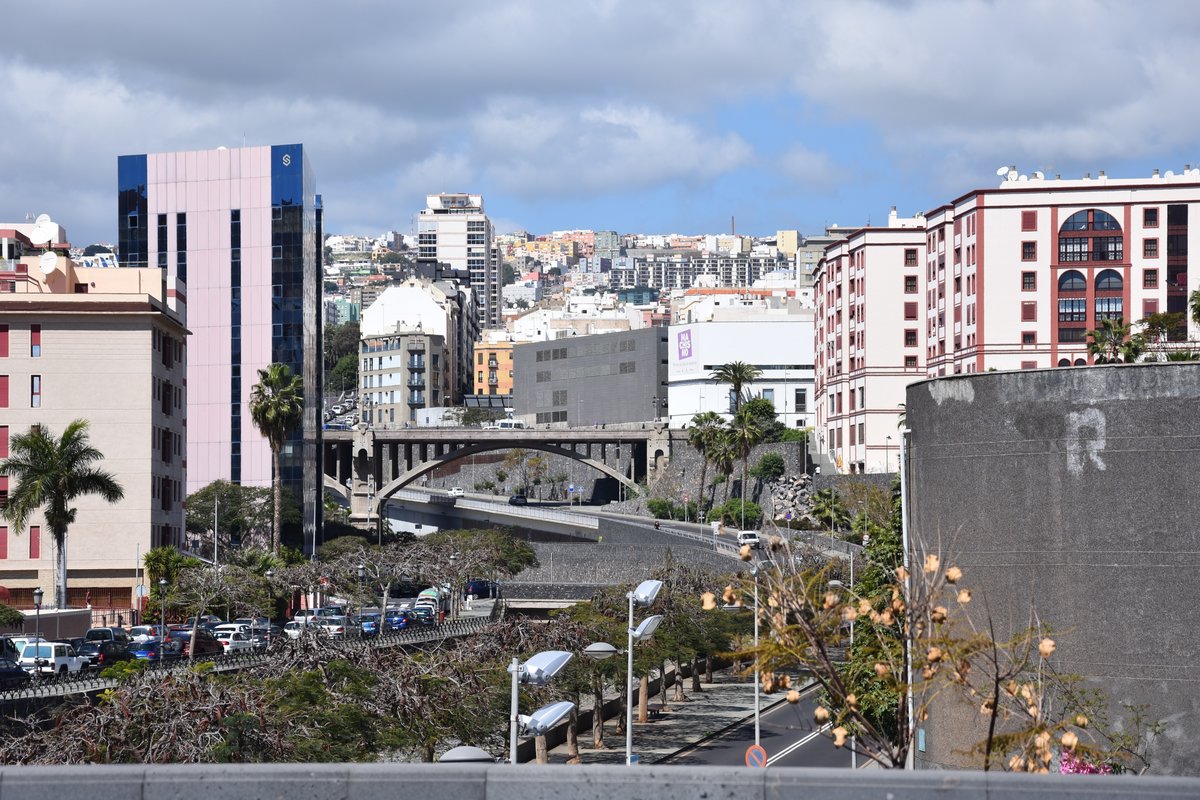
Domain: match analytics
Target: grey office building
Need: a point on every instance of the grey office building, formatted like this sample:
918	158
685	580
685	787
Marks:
592	380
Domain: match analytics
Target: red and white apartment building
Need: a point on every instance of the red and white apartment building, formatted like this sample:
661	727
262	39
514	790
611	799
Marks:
1005	278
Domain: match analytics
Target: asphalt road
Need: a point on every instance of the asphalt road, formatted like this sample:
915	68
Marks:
787	732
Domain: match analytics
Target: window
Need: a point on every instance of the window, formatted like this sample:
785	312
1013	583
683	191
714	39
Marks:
1150	248
1028	365
35	541
3	441
3	341
1029	220
910	284
910	337
1150	217
3	542
910	362
1029	251
3	391
910	310
910	257
1110	308
1073	309
1149	308
1028	281
1072	281
1150	279
1029	337
801	400
1028	312
1109	280
35	341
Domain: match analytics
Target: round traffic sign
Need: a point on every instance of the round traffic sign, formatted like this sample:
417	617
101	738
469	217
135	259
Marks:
756	756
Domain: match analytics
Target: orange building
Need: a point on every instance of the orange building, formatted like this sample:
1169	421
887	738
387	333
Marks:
494	368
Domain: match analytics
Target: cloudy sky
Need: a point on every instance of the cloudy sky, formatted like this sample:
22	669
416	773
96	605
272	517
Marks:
633	115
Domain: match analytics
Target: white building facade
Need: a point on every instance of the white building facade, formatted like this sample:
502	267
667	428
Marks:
455	240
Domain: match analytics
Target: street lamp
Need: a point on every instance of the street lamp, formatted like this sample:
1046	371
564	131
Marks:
643	596
370	504
270	577
836	584
537	671
453	587
162	593
38	595
887	454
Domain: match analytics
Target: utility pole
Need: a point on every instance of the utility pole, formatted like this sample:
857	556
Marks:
216	519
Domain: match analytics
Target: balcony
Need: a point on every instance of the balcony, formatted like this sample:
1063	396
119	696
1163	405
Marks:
416	398
416	382
416	363
416	345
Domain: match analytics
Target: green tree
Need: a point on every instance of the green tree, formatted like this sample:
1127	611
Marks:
1194	302
479	416
827	507
762	411
723	455
703	434
51	472
277	406
344	374
738	375
340	341
770	467
509	274
1112	343
10	617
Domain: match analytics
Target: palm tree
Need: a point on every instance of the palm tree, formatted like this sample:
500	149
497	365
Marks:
277	406
1111	343
738	375
1195	303
52	472
744	434
722	454
827	507
706	427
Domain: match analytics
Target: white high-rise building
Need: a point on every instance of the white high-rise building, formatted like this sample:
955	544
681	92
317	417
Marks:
454	241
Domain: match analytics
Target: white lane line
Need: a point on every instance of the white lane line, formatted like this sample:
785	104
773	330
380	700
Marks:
797	744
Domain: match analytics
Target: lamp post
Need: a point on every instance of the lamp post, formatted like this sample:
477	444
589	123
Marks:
537	671
38	595
836	584
887	454
271	596
453	589
757	719
162	593
371	504
643	596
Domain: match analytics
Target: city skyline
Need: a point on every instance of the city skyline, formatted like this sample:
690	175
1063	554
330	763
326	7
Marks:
673	118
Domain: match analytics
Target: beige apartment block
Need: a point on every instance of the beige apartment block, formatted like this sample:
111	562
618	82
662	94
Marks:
106	345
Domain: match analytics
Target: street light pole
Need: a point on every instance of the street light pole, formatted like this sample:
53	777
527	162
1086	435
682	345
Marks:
38	595
644	595
757	727
162	593
216	519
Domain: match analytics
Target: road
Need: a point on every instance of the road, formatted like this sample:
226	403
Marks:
788	734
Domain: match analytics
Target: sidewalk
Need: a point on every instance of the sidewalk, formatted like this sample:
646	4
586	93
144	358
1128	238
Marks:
729	699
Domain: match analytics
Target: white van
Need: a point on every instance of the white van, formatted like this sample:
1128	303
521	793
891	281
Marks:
506	425
749	537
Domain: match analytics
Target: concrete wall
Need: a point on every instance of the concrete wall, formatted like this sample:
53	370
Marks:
1073	492
531	782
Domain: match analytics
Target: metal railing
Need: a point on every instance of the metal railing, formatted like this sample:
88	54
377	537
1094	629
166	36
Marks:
89	680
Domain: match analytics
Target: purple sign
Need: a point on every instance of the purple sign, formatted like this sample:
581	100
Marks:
684	342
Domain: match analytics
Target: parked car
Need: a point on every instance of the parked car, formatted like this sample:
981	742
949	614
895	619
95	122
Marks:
294	629
304	615
229	627
144	633
12	676
75	641
423	615
338	627
19	643
263	636
204	620
234	641
113	634
50	658
252	622
205	643
331	611
109	653
518	500
156	650
370	624
396	620
456	491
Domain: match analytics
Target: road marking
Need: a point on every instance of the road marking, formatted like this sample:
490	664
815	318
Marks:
797	744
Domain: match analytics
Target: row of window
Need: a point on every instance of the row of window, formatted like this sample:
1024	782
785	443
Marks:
35	341
34	536
35	391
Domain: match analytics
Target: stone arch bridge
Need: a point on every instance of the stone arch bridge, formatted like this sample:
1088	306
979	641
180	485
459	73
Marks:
387	460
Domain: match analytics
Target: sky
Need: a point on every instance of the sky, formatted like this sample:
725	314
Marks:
638	116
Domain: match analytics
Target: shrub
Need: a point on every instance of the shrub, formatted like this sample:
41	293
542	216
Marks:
731	513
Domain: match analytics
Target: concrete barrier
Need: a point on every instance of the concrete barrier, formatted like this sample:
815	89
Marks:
532	782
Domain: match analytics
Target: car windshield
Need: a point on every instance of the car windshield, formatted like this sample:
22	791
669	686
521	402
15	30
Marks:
39	651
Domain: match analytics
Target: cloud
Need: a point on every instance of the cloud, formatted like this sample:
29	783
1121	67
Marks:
604	149
812	169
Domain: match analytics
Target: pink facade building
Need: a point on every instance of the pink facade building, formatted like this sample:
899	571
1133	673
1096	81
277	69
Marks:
241	227
1005	278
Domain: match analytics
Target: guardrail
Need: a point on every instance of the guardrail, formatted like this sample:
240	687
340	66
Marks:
86	681
531	512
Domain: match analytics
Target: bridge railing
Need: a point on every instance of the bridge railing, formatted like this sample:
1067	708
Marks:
532	512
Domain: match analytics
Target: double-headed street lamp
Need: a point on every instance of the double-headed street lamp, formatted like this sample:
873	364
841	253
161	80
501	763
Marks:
537	671
643	596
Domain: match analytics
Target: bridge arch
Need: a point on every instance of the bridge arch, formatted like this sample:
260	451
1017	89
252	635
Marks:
458	454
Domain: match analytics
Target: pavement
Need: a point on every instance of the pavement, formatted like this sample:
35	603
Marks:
728	700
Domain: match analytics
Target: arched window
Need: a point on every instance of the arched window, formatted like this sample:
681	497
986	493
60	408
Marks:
1072	281
1064	362
1081	362
1109	280
1077	239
